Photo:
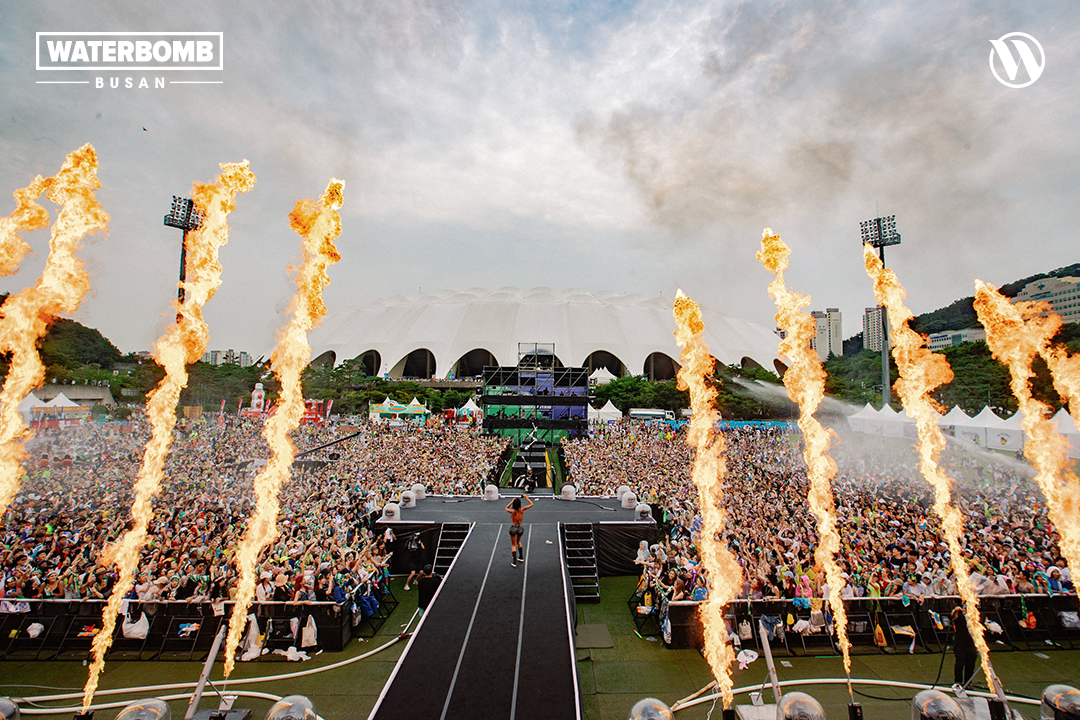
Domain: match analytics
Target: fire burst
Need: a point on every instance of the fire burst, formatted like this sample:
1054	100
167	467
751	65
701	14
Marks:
921	371
708	474
184	342
319	224
1015	334
59	290
805	383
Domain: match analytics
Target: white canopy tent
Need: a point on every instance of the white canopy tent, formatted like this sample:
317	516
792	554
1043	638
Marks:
1065	425
62	401
30	402
1002	434
858	421
470	408
601	376
608	413
892	422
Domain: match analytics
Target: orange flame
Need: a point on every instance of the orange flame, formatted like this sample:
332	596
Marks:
27	217
59	290
708	474
1065	369
1015	334
805	383
184	342
319	224
921	371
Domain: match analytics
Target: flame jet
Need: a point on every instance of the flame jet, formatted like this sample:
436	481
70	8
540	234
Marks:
184	342
58	291
708	473
319	224
921	371
1016	334
27	217
805	383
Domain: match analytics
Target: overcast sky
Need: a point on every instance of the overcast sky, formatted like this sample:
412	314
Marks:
633	146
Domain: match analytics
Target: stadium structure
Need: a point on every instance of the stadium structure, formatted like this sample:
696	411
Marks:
455	334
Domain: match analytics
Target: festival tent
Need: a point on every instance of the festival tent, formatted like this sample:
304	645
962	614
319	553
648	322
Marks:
58	412
27	406
601	376
857	422
395	412
608	413
964	427
892	422
469	408
1065	425
1001	435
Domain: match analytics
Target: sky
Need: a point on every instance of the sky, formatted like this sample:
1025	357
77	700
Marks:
638	147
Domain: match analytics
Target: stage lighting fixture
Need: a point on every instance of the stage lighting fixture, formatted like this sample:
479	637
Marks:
568	492
391	511
293	707
935	705
418	491
799	706
629	501
148	709
1060	702
650	709
642	512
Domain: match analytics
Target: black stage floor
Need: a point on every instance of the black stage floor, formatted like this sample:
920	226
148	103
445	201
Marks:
495	642
546	509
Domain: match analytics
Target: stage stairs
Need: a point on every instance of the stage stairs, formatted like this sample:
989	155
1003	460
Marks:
451	538
579	549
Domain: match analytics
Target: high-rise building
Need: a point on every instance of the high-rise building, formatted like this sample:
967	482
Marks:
245	359
212	357
830	335
871	329
1063	294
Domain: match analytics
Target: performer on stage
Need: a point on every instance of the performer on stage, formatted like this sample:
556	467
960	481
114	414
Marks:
517	514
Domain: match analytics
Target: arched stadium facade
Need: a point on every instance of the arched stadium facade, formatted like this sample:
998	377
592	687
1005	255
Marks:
457	333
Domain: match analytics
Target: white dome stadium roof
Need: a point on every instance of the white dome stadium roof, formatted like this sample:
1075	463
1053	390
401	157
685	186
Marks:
487	325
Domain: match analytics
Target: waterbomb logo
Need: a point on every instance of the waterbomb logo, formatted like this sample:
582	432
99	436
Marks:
1032	67
129	51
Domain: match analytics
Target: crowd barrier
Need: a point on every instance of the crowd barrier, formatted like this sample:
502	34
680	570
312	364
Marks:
174	630
1014	622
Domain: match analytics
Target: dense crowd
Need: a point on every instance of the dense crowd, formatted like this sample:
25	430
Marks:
74	502
890	542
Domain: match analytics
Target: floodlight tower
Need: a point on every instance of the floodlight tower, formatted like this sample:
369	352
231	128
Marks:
879	233
185	216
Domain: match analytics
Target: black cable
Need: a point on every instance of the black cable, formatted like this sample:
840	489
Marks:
878	697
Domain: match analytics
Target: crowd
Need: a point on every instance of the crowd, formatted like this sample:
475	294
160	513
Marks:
890	541
75	497
74	502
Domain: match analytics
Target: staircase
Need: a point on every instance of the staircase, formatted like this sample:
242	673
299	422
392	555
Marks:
451	538
579	549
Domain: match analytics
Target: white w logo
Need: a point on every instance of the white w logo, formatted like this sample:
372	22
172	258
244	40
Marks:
1033	67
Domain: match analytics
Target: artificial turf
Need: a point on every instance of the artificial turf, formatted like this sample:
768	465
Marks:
611	679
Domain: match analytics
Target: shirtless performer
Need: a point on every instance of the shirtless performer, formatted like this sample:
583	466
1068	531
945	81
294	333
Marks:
517	514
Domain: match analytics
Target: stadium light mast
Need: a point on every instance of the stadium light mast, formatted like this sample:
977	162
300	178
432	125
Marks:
183	215
881	232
